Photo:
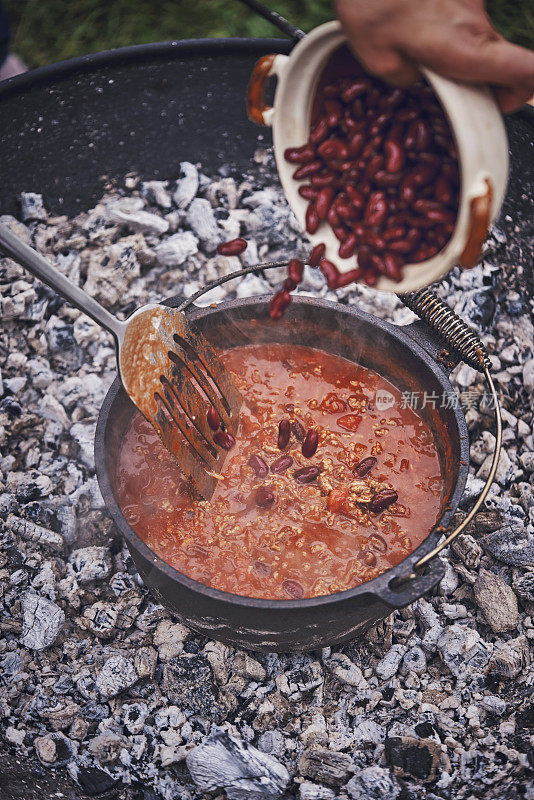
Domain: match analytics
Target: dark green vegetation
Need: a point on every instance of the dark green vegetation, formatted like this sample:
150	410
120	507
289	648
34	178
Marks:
51	30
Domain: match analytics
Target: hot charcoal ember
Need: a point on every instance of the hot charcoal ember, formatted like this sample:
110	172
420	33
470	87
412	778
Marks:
436	672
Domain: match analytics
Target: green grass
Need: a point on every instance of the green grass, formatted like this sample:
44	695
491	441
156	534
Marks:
51	30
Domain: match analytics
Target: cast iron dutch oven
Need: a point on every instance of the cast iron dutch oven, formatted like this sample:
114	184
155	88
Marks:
144	109
406	356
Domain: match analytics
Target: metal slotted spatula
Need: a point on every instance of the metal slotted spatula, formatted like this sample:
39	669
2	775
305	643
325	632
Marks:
167	367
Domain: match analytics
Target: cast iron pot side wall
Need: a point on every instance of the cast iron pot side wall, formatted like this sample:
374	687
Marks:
288	625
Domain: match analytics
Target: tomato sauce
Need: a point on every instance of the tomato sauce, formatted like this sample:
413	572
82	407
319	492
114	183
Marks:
271	534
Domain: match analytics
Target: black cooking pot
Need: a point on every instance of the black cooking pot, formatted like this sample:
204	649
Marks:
406	357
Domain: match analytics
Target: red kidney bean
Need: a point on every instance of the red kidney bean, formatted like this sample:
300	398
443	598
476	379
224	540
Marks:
382	500
309	445
306	474
319	132
407	189
358	229
224	440
312	219
330	271
375	241
387	180
289	285
393	98
424	174
358	112
324	179
259	466
393	266
340	232
394	233
406	115
395	156
334	111
324	201
355	196
263	497
421	254
307	169
428	158
368	558
347	211
411	135
333	148
316	254
295	270
348	125
293	589
349	277
364	258
333	217
355	89
298	430
442	215
379	123
426	206
443	191
299	155
376	210
396	220
278	304
420	222
308	193
378	263
331	90
214	421
262	569
284	432
281	464
413	236
364	467
373	98
348	247
232	248
375	164
353	174
401	246
371	278
422	135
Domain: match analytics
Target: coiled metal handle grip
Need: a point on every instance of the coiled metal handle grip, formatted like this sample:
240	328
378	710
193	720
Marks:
460	338
447	324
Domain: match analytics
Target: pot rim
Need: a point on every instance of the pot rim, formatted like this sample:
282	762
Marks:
378	586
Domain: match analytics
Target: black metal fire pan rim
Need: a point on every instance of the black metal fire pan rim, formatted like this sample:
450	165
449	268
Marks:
175	49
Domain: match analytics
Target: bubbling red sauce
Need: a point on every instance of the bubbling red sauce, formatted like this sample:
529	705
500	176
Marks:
283	524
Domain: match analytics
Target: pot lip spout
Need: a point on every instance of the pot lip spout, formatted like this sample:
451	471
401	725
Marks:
378	587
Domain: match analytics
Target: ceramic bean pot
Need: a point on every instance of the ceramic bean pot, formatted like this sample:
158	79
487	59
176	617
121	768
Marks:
474	118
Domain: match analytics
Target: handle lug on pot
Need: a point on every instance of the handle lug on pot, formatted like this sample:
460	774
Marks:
401	595
257	110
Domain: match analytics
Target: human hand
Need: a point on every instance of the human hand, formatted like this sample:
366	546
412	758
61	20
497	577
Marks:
452	37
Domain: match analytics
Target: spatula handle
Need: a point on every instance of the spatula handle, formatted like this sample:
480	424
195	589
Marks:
31	260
